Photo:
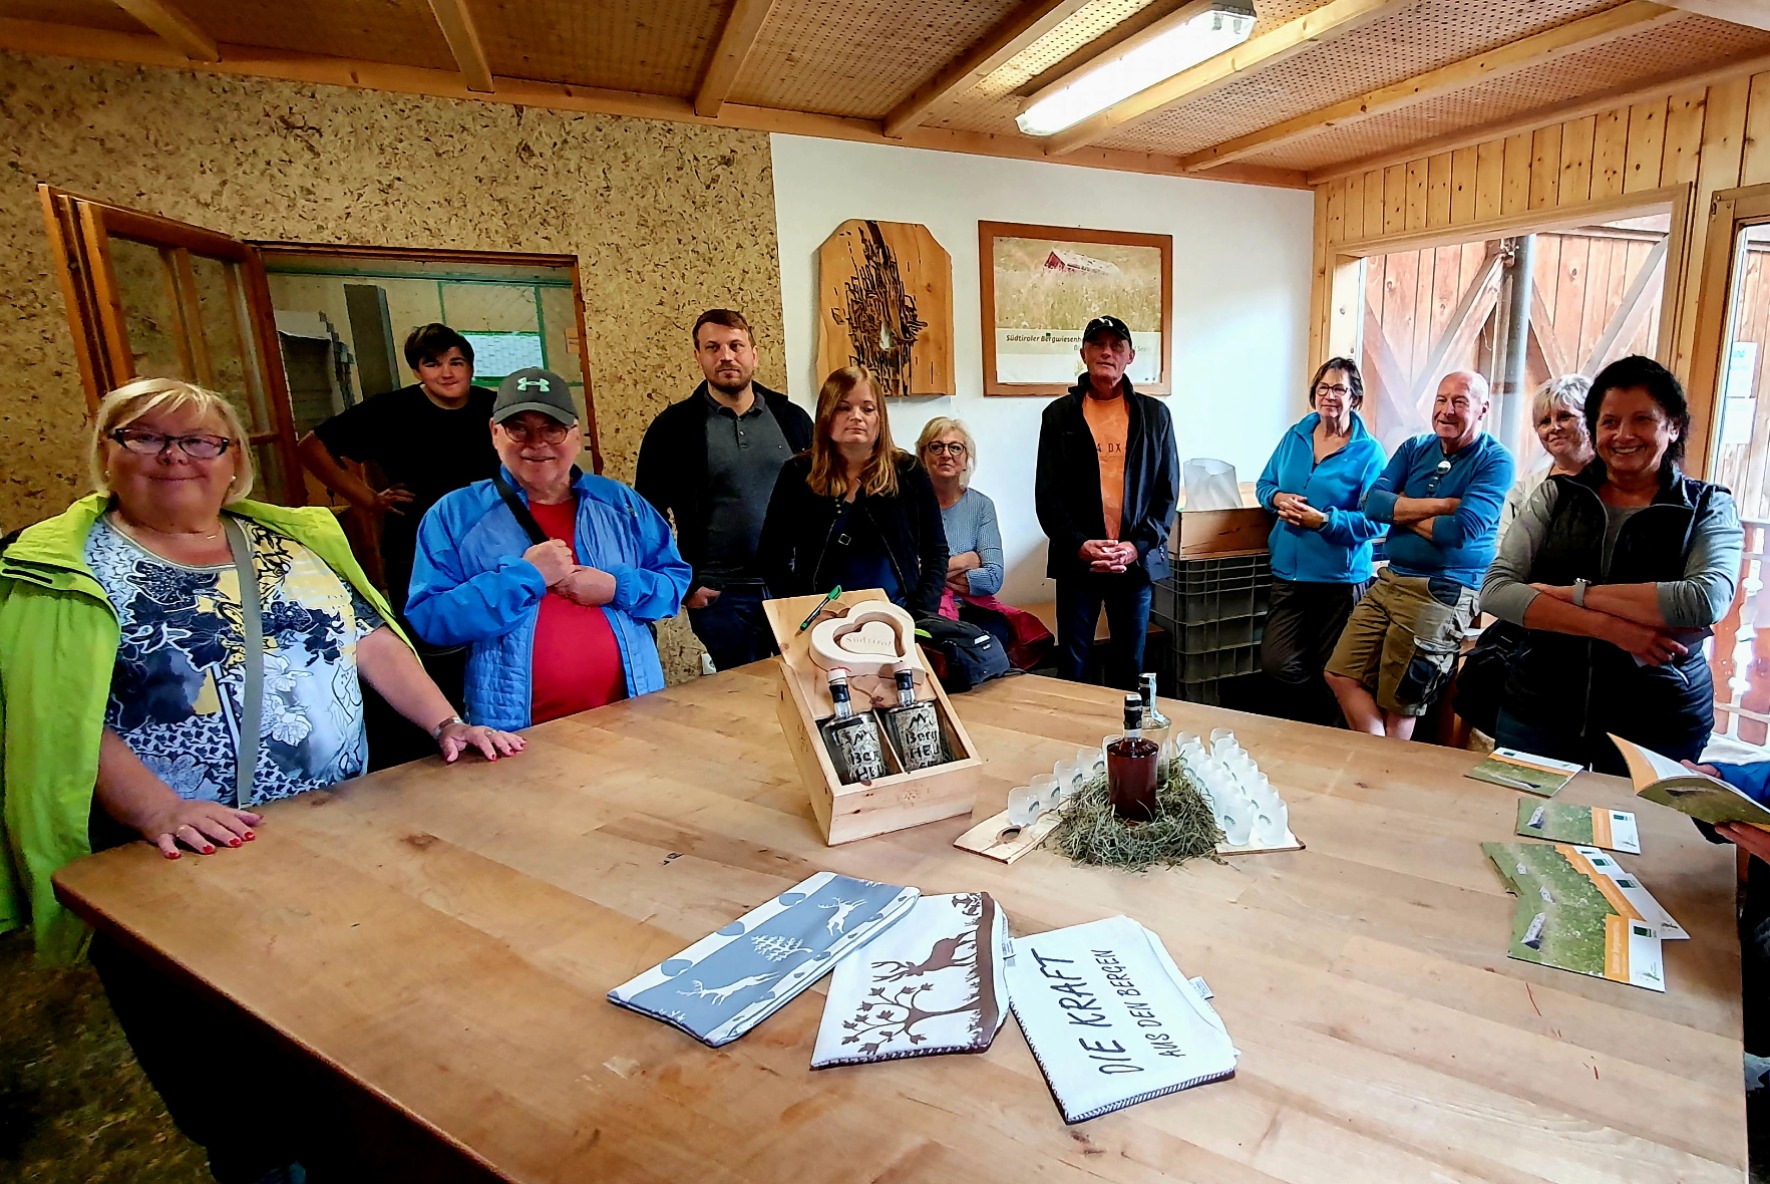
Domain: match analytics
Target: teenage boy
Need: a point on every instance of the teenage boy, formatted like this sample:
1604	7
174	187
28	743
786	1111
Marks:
1107	483
426	440
710	462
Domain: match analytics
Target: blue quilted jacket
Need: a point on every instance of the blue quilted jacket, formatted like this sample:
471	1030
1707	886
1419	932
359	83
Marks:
471	586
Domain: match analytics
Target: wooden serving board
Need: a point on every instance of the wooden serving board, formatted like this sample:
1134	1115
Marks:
986	838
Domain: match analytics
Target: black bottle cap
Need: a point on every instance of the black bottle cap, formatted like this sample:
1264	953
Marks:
906	678
1133	712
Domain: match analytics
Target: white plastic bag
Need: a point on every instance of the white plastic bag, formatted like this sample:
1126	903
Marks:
1211	485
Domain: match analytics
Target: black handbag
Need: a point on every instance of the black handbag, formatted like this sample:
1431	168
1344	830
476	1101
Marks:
964	654
1481	684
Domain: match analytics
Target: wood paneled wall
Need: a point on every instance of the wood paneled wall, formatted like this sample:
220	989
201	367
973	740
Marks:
1675	152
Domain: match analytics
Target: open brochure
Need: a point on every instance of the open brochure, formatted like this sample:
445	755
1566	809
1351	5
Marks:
1522	770
1706	799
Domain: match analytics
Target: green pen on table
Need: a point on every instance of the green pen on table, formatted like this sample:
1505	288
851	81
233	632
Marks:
828	600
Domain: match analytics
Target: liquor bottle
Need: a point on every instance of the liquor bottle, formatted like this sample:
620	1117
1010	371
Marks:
914	725
1131	767
852	739
1156	726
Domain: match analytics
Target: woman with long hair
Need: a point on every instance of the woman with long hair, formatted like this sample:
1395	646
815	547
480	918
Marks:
853	509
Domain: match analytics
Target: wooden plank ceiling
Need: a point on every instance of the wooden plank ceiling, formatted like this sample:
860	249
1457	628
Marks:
1322	87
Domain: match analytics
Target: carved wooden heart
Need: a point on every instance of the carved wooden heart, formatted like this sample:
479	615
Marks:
874	637
869	639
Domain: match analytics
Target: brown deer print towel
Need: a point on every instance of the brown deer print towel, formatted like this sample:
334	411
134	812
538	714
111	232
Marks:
932	983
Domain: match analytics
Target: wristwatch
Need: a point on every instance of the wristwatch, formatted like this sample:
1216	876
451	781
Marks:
1579	593
436	732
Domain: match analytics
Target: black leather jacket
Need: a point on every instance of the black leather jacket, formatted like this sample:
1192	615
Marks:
795	554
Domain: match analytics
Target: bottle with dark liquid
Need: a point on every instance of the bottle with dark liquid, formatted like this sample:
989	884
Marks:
914	726
852	739
1131	767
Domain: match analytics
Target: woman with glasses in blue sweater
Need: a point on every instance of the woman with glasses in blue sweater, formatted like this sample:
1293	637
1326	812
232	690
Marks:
1321	542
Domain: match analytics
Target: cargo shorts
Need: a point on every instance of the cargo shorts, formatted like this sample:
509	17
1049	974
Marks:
1402	640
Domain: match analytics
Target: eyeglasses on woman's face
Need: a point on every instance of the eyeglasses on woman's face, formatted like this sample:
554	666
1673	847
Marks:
145	443
946	447
1337	388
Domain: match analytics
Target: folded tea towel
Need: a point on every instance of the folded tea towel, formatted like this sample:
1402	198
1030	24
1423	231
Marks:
933	983
730	981
1111	1019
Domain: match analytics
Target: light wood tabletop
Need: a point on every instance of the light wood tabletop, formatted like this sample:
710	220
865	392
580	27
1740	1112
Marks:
446	937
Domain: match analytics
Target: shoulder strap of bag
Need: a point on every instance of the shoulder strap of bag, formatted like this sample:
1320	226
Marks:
524	519
252	626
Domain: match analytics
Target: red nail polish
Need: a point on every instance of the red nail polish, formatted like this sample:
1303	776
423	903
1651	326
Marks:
208	850
171	855
250	836
233	842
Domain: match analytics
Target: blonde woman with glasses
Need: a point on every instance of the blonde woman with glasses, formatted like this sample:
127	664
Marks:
947	451
174	656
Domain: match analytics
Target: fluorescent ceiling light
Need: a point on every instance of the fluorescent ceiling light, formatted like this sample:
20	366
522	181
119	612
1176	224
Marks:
1194	34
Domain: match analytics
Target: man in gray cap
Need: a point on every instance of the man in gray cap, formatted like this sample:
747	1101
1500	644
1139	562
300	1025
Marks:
549	574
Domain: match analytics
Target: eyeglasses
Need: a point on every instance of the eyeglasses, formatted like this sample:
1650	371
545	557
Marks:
203	447
549	433
954	448
1336	389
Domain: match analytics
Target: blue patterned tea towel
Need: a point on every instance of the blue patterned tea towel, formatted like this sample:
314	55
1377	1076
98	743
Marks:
730	981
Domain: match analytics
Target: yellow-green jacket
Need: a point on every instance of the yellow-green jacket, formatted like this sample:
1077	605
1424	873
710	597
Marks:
58	646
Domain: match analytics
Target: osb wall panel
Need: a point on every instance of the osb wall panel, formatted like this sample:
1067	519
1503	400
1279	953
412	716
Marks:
665	219
1695	142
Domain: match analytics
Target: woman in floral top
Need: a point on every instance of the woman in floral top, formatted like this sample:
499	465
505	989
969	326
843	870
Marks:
128	607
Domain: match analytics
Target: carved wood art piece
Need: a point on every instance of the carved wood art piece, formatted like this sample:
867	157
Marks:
886	304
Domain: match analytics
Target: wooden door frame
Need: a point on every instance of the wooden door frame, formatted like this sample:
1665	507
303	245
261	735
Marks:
263	247
1729	210
80	229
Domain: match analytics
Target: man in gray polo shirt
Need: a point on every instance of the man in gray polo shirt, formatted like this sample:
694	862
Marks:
709	463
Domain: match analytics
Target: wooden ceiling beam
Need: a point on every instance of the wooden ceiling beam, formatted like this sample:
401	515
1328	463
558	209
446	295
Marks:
743	25
1020	29
1331	20
1753	14
39	37
1652	88
1551	45
172	26
462	35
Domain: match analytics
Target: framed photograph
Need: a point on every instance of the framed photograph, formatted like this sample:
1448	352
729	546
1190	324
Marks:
1043	284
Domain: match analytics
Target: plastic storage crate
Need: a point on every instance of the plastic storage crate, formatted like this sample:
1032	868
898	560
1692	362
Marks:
1202	590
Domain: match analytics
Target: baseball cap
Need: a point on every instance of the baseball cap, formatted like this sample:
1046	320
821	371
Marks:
1101	325
535	389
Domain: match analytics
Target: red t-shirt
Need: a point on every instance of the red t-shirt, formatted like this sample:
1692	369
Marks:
576	664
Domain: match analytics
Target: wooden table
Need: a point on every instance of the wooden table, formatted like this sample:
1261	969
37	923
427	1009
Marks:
446	937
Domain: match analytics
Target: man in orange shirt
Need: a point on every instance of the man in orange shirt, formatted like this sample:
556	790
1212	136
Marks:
1108	479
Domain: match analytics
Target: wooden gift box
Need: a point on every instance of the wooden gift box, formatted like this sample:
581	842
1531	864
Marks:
892	802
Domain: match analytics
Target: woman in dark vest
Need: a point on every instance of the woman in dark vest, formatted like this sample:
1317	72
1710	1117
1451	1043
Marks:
1617	573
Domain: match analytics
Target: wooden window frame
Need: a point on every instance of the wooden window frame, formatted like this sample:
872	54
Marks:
1729	212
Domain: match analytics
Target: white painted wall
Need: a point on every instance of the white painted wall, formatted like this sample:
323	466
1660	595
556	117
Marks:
1242	258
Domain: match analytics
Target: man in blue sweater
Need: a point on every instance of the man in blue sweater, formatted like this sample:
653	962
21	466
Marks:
1441	495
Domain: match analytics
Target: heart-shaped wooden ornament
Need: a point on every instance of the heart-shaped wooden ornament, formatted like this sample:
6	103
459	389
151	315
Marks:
869	639
872	638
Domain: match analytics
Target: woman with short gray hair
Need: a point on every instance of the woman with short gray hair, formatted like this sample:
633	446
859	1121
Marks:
1559	414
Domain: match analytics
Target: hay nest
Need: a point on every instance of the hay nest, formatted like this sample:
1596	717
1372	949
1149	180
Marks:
1183	828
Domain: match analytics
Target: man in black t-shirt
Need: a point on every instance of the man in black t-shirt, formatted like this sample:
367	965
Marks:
427	439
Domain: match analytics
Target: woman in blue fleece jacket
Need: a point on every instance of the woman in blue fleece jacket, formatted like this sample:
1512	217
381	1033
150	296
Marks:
1321	543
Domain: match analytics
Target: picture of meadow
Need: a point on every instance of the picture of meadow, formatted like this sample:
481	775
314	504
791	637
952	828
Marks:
1042	287
1050	284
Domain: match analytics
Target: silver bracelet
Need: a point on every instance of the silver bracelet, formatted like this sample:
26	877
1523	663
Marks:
436	732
